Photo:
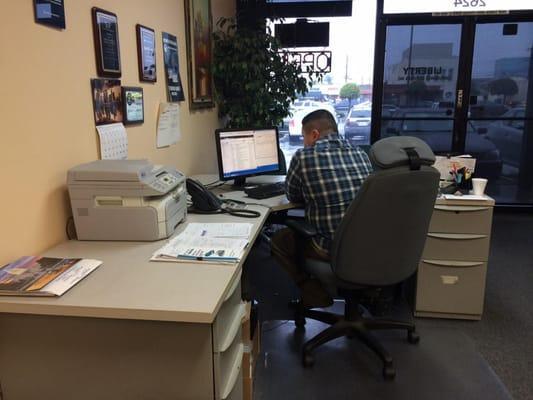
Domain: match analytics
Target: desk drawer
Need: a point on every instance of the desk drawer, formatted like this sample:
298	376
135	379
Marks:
228	367
454	287
226	324
461	219
237	393
456	246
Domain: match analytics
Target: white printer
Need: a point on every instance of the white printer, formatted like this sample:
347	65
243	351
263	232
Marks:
126	200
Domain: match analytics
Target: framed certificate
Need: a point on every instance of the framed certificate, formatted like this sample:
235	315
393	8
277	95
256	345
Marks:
172	68
50	12
146	53
132	99
106	44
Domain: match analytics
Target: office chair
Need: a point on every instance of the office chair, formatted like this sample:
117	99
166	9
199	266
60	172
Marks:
378	244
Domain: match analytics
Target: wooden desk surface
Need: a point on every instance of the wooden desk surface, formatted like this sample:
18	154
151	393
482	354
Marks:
129	286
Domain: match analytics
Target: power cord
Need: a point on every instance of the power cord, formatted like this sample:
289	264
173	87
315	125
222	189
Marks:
68	231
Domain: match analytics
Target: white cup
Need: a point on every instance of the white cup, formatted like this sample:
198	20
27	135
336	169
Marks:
478	186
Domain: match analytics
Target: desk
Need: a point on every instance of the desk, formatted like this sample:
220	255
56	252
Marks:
132	329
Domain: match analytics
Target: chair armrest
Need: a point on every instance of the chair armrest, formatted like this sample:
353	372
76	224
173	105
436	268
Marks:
302	228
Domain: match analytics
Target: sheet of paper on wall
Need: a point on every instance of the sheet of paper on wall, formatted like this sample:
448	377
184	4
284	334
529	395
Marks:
113	141
447	164
168	124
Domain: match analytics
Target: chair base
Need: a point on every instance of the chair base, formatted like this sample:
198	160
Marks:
352	324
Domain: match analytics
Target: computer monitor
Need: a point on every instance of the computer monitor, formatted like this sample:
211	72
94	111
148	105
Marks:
247	152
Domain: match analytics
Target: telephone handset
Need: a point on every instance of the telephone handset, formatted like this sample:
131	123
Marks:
202	199
205	202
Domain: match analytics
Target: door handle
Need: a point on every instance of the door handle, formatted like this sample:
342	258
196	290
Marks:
460	98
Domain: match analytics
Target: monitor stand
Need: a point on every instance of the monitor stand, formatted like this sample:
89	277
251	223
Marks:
239	182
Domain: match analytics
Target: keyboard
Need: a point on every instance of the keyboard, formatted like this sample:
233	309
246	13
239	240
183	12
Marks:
265	191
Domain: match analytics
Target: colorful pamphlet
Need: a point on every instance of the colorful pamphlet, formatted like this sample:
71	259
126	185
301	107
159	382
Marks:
43	276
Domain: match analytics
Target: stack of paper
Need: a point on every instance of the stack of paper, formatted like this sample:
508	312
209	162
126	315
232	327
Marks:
207	242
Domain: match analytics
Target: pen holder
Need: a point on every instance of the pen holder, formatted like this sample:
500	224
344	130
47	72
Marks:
462	180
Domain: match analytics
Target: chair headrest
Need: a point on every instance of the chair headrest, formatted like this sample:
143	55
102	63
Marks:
397	151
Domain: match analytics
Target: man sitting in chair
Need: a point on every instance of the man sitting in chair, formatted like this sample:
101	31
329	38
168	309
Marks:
325	175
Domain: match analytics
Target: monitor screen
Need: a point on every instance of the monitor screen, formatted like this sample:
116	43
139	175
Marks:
247	152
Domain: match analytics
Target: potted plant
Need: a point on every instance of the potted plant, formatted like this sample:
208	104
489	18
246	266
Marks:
255	83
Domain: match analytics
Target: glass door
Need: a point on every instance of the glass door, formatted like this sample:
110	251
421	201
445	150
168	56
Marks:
420	83
464	88
501	106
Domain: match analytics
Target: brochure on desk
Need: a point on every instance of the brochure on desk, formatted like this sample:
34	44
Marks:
43	276
211	242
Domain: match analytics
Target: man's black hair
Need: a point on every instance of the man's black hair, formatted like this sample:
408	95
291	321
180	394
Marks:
322	120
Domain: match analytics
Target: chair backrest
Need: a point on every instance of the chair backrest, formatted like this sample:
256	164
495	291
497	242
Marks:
382	235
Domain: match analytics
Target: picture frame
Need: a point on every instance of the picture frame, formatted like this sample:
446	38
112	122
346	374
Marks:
198	24
146	53
172	68
107	101
50	13
133	105
106	43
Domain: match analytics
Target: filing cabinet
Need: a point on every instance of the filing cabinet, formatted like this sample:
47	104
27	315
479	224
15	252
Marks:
228	348
452	271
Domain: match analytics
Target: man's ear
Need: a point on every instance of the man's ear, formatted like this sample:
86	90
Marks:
316	134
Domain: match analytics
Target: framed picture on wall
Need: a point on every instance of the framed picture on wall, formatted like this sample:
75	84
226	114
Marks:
50	12
172	68
106	43
199	53
107	101
146	53
132	99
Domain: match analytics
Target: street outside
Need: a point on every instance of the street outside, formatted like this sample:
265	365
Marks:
289	149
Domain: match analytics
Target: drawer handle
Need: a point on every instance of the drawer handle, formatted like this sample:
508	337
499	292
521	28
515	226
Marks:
233	287
441	263
236	322
456	236
461	208
235	369
449	279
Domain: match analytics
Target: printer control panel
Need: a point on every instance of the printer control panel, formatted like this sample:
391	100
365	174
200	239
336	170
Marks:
165	181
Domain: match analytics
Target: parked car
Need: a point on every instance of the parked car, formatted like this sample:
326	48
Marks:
295	123
438	134
357	126
507	136
342	108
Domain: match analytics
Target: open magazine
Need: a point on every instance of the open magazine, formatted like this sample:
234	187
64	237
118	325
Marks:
43	276
213	242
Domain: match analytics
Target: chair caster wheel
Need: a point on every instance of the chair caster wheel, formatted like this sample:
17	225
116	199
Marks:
299	322
307	360
389	373
413	337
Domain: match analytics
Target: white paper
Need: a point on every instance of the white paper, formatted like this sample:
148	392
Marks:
444	165
240	230
71	276
168	124
463	197
203	248
113	141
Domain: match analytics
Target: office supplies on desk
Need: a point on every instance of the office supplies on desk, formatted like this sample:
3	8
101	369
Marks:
266	190
43	276
206	242
126	200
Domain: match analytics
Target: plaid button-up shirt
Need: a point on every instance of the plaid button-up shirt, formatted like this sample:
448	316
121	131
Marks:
326	178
